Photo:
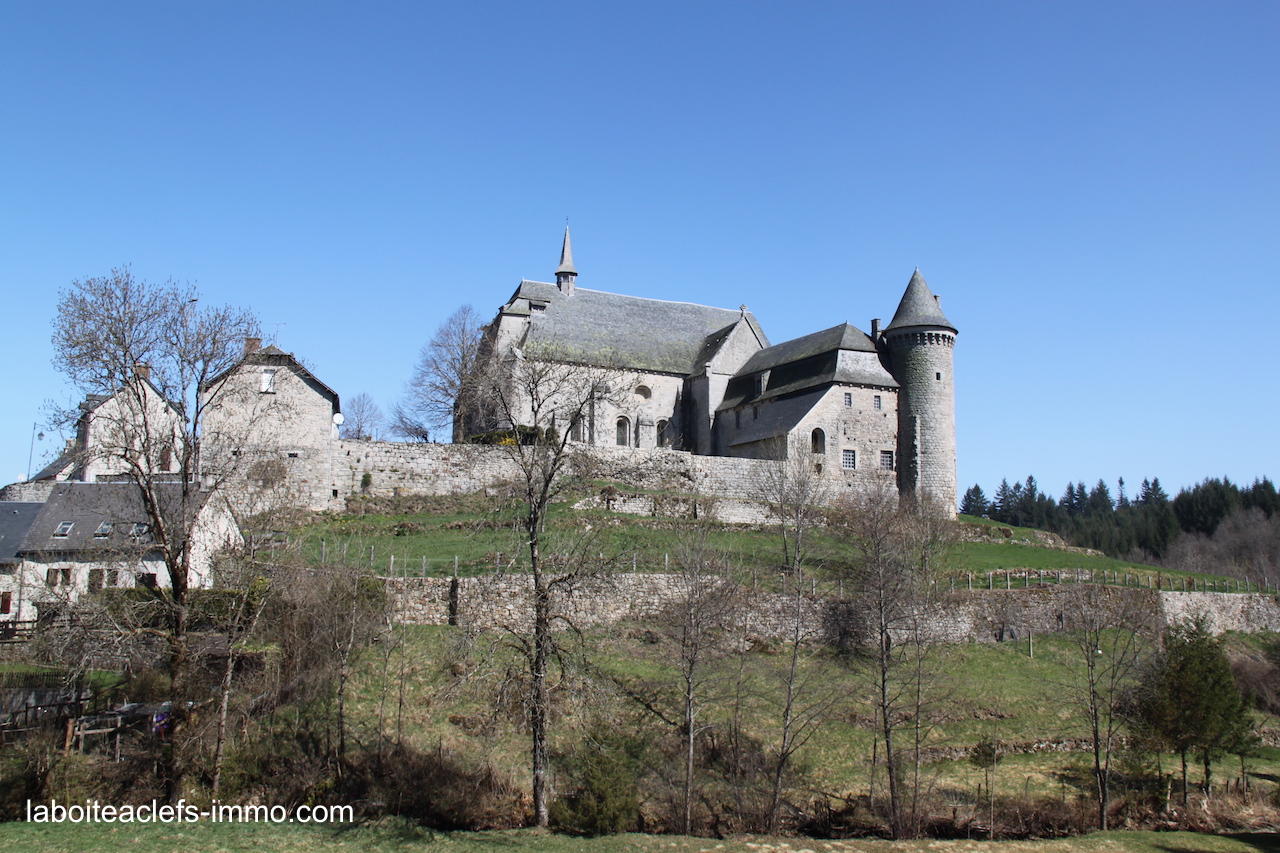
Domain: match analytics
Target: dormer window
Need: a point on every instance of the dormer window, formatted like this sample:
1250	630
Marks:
268	382
103	531
139	529
63	529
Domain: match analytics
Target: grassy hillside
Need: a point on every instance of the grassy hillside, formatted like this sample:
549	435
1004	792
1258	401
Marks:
431	535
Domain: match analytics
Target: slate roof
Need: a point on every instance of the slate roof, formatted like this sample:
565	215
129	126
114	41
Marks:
919	307
638	334
15	520
273	355
778	418
87	506
812	361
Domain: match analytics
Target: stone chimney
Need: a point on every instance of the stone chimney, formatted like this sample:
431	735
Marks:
252	345
142	371
875	330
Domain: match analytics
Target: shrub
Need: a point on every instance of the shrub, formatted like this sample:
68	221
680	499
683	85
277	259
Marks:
605	797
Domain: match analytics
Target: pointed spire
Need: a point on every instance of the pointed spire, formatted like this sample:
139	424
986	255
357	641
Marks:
565	273
919	307
566	256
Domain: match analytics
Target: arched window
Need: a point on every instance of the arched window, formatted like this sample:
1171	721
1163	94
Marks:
819	439
663	439
575	431
643	392
624	432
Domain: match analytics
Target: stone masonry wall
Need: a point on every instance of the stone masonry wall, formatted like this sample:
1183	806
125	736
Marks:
502	601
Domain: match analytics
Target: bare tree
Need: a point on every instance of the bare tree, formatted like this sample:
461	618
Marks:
151	350
541	393
804	697
895	548
446	386
797	494
1112	632
362	418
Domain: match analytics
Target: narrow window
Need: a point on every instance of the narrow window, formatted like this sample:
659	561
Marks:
848	400
939	376
875	402
166	459
575	431
66	577
624	432
268	382
103	531
63	529
737	418
51	578
819	441
662	434
113	577
755	413
6	602
849	459
886	460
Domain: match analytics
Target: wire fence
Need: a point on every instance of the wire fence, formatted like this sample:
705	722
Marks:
385	561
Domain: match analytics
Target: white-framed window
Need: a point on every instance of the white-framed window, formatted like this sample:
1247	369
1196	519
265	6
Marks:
875	402
849	459
886	460
103	531
848	400
63	530
268	381
139	529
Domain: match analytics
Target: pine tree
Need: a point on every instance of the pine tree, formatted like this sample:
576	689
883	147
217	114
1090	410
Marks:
974	502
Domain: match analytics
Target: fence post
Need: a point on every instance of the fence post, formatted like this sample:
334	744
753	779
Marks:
371	556
455	565
392	570
424	565
322	555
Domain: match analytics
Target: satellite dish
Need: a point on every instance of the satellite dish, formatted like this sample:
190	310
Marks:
338	418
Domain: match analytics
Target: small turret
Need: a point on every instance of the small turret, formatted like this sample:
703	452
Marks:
921	341
565	273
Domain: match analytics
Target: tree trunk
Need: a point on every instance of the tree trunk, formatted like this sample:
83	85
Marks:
538	674
224	702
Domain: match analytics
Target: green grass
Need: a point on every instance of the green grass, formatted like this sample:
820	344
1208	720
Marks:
395	837
479	536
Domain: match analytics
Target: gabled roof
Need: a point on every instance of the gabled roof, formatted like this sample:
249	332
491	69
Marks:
273	355
841	354
16	518
919	307
839	337
635	333
88	505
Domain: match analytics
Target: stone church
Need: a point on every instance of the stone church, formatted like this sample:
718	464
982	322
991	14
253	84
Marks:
708	381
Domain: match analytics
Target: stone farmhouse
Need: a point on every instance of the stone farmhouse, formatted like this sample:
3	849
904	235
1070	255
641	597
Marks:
707	380
89	536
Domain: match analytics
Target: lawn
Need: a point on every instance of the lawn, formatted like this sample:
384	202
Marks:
390	836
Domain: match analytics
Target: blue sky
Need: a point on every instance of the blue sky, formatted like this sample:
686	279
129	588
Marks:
1092	188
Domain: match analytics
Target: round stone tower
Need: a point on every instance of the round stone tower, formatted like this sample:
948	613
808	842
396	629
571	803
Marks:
921	340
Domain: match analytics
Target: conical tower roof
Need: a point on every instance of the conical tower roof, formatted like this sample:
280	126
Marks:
566	257
919	307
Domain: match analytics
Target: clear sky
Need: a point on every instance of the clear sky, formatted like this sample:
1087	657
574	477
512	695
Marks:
1092	188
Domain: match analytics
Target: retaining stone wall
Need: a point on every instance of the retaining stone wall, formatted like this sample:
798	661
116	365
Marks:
980	615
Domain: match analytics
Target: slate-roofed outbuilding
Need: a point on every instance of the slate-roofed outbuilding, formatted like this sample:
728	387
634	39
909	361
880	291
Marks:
96	517
608	328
